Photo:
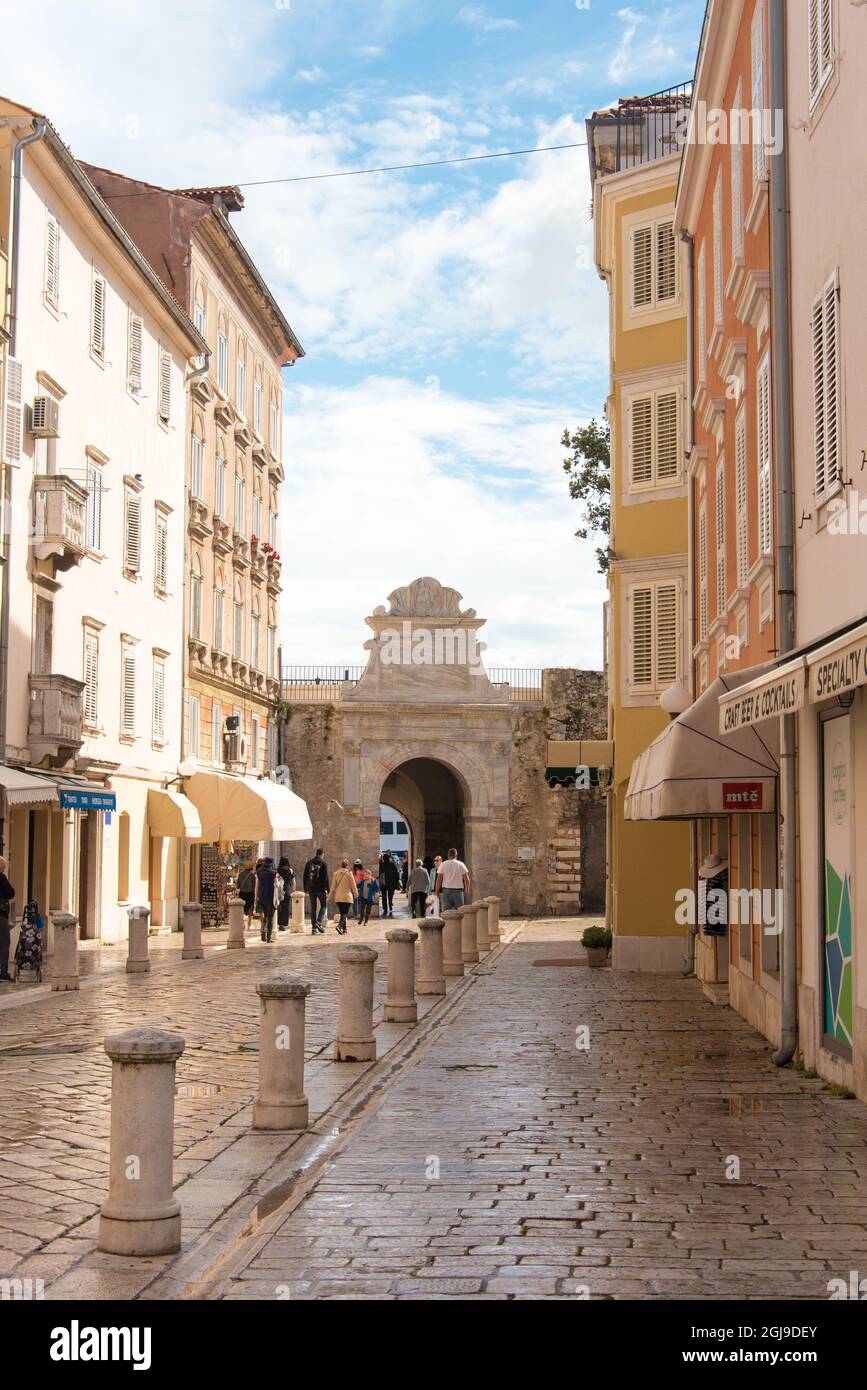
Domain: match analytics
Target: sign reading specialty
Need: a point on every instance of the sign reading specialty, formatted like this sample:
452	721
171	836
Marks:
843	670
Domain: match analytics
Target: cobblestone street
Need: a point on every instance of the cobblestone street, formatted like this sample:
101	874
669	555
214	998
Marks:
498	1160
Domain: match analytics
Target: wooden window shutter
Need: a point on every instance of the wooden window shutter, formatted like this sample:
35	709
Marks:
702	574
127	712
165	386
758	73
159	702
641	632
134	354
91	678
667	633
718	252
94	507
701	290
161	557
766	501
195	605
642	267
642	440
737	177
52	259
667	435
666	262
13	409
97	315
720	540
132	533
832	382
741	498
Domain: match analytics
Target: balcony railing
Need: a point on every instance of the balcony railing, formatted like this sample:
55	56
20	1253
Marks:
55	725
59	519
325	684
638	130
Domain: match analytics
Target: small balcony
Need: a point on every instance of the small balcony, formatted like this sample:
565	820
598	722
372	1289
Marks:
200	518
240	551
258	567
55	727
222	541
59	520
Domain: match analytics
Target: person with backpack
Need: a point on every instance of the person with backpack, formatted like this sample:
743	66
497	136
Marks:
389	882
268	895
316	885
247	889
343	893
286	874
358	873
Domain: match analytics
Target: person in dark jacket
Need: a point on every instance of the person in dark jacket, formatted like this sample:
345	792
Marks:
284	911
7	893
265	877
247	888
316	885
389	882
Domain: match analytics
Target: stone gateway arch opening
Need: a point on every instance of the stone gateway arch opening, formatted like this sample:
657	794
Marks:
431	799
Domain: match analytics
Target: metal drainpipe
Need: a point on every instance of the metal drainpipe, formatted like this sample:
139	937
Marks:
785	553
37	133
689	440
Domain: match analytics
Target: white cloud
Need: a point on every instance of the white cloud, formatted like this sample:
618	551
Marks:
478	18
405	480
311	75
631	59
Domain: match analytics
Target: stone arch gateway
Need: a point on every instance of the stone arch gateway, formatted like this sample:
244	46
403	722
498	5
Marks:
425	729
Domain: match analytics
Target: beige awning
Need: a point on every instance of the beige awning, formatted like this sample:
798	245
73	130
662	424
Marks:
23	789
566	756
692	770
232	807
172	815
780	690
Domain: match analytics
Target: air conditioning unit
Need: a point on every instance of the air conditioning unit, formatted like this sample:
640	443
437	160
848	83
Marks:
45	417
234	747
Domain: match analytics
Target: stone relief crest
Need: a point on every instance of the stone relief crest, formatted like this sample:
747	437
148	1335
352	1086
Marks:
425	598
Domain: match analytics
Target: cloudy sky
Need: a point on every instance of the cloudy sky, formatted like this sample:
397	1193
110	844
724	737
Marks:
451	318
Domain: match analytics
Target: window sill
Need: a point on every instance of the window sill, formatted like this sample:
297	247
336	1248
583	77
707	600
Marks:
97	359
128	739
51	306
133	576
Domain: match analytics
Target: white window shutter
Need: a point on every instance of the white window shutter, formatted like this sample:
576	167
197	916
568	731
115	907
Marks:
13	410
641	633
94	507
666	262
667	436
132	534
91	679
718	253
134	354
97	315
159	702
195	606
741	498
193	726
702	574
815	46
641	411
701	289
127	712
758	72
667	633
642	267
720	540
766	501
52	260
737	177
197	467
161	556
165	386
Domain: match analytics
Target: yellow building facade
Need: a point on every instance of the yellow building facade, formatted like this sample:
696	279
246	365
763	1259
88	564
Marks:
644	266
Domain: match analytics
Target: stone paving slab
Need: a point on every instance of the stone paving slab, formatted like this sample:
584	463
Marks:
567	1174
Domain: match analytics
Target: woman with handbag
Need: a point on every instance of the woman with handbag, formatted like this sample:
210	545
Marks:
343	893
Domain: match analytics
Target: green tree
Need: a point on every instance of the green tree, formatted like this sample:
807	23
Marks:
589	470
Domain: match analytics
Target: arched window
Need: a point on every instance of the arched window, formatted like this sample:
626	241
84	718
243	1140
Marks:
197	457
238	627
223	353
257	400
219	607
254	636
241	377
200	308
220	479
196	595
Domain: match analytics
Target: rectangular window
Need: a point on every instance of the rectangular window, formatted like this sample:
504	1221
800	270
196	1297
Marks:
254	741
165	397
654	439
718	276
52	260
195	605
127	690
655	635
223	363
654	265
93	523
826	385
741	499
161	553
766	499
216	733
134	354
760	158
721	585
257	407
702	574
201	319
218	619
241	386
197	468
158	717
272	529
220	488
193	726
737	177
701	295
273	428
238	633
97	315
254	641
272	652
132	533
257	515
820	19
240	507
90	698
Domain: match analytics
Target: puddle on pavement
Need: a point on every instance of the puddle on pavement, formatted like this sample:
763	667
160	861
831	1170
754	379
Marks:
191	1090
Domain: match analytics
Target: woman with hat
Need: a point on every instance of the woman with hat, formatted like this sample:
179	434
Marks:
714	899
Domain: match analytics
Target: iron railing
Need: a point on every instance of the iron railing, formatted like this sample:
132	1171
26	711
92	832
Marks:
324	684
638	130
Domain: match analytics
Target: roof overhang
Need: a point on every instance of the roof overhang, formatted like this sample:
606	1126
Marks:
566	761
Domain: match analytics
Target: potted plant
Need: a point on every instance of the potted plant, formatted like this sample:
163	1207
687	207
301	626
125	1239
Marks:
597	943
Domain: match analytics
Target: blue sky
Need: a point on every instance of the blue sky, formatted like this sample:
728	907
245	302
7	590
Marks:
451	323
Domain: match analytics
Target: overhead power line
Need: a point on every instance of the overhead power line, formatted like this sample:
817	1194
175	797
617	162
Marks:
399	168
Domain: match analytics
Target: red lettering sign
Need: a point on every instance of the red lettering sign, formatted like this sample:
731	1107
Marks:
742	796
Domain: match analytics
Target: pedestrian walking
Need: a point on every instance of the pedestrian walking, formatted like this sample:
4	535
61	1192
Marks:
359	874
368	897
419	886
268	896
286	874
316	885
7	893
453	882
343	893
432	890
247	888
389	882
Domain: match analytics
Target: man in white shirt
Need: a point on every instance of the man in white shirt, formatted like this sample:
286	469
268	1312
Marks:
453	882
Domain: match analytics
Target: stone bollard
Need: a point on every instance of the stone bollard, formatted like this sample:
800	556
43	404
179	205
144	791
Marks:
355	1041
280	1101
493	919
430	970
236	940
482	939
400	1005
137	960
469	945
193	949
453	965
140	1215
297	923
64	962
